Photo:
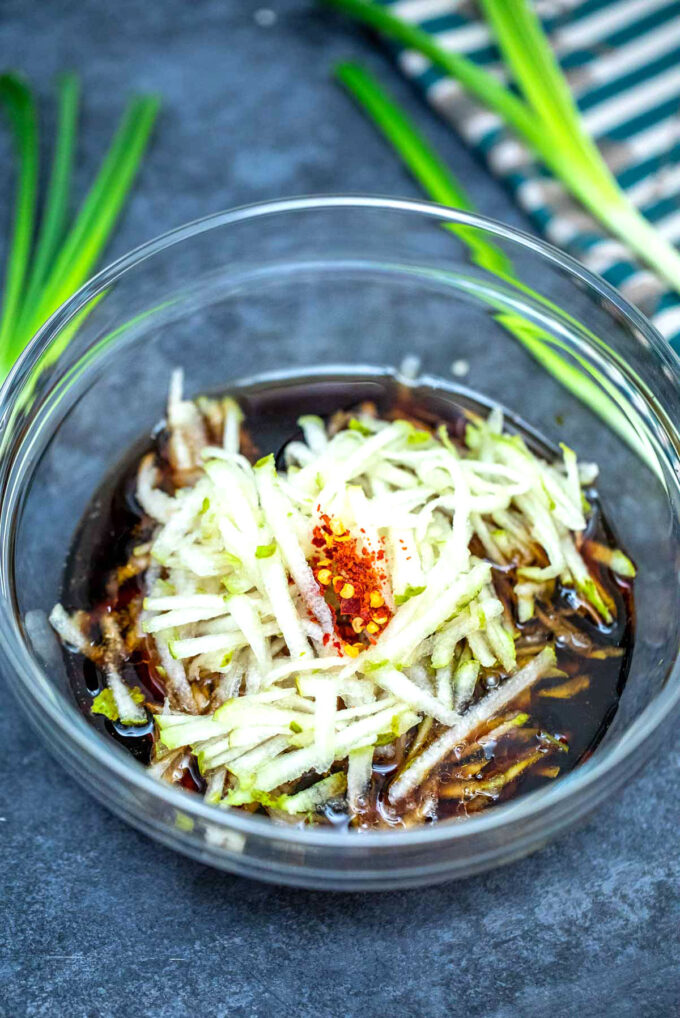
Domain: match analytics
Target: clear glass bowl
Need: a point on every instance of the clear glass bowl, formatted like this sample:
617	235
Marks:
336	283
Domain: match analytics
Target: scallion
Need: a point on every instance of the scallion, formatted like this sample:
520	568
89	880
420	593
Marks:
43	270
545	115
440	184
21	111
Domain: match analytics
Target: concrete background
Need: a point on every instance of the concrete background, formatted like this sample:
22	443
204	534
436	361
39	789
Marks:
101	922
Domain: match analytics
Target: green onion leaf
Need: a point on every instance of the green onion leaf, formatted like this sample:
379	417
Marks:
425	165
408	594
355	425
20	105
549	123
480	82
38	280
99	212
53	221
416	153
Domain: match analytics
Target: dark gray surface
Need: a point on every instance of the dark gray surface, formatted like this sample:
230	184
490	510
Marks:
99	921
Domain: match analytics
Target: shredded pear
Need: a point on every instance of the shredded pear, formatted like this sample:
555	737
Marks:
347	604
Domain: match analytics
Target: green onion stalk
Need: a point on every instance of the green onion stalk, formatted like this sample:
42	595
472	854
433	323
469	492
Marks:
46	265
544	115
430	171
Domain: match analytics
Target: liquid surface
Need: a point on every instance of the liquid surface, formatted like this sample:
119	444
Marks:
567	728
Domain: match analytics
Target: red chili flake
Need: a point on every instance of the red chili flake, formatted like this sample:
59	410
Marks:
353	571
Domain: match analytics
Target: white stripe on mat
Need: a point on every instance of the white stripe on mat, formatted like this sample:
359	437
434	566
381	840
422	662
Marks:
640	285
413	63
631	103
664	183
668	321
465	39
587	31
652	141
421	10
625	58
604	254
669	227
447	89
537	192
582	33
508	155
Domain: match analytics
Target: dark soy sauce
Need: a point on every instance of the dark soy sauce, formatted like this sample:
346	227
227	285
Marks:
113	525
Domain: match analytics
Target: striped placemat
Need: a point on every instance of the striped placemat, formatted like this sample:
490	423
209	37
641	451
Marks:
622	60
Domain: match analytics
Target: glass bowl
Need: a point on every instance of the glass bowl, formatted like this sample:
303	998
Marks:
336	285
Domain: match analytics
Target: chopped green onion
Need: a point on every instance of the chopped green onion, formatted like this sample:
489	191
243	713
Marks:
265	550
408	594
355	425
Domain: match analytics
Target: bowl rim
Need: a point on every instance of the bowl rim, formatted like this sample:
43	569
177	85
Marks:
84	739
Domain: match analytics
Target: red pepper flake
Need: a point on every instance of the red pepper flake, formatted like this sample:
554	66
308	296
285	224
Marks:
354	584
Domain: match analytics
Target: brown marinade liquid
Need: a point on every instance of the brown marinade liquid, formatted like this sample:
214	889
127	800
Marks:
113	525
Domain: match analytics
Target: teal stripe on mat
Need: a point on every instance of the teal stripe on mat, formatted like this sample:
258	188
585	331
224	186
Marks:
622	58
